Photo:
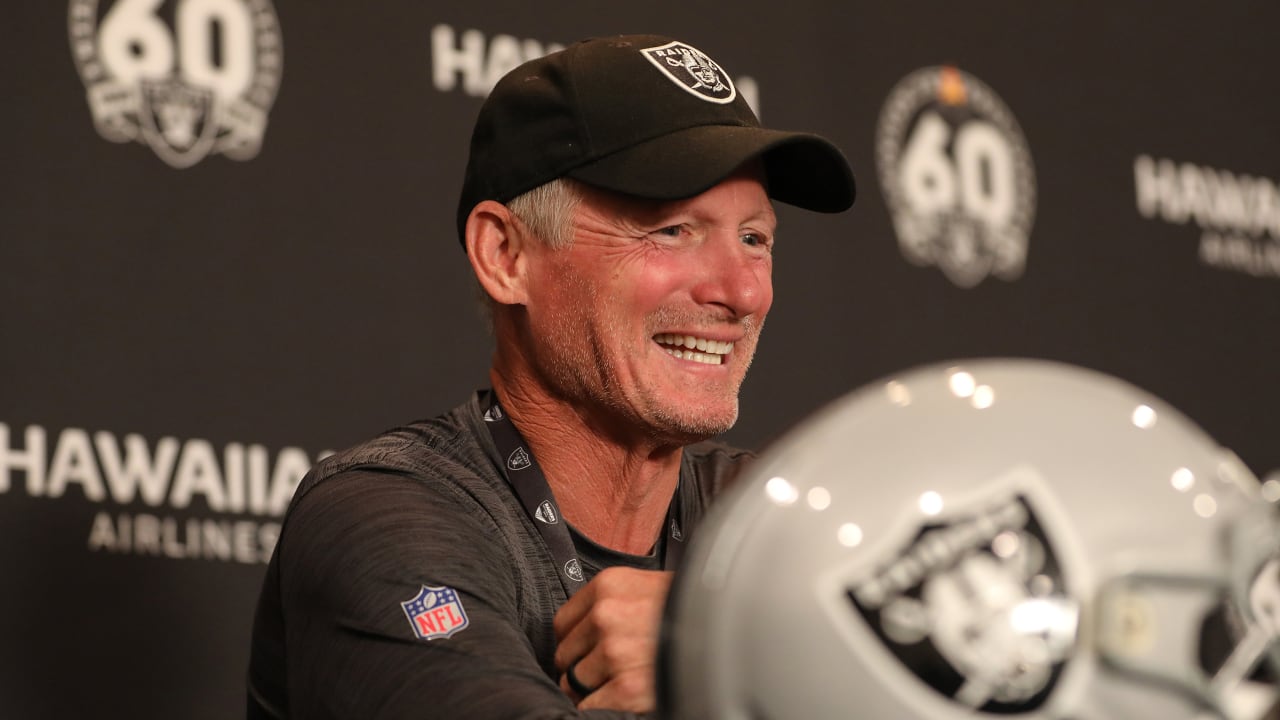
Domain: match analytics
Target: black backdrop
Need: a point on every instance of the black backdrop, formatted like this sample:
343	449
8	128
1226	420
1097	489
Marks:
179	342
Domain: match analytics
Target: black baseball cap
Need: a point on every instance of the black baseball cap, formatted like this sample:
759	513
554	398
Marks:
643	115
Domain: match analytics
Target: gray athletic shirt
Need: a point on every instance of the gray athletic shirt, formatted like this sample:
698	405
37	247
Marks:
425	505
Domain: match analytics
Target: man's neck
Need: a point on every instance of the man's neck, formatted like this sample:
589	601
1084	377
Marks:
615	491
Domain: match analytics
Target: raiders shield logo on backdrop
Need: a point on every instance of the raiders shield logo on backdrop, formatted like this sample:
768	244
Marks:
692	70
177	121
957	176
189	78
975	604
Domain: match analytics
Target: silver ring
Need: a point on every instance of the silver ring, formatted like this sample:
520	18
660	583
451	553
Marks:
574	683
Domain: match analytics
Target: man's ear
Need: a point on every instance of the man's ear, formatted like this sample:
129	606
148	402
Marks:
497	245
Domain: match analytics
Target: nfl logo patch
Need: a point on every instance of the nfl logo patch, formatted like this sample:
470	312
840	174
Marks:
435	612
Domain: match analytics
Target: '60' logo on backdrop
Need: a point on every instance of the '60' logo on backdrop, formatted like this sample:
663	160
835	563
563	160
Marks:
957	176
188	78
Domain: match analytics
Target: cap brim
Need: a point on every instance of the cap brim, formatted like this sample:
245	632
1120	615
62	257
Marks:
801	169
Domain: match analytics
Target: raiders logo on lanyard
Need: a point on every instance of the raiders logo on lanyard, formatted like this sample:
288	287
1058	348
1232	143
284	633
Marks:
530	485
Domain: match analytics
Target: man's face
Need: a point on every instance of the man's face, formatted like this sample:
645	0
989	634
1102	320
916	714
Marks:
612	316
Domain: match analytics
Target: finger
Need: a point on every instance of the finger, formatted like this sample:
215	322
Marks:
610	620
618	603
631	691
578	639
581	678
572	612
569	692
621	660
580	686
576	646
618	582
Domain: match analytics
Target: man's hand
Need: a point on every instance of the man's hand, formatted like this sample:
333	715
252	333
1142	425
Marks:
608	633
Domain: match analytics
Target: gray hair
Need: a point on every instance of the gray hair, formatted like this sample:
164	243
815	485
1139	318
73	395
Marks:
547	210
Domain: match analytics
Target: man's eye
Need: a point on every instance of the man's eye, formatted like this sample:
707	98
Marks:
754	239
670	231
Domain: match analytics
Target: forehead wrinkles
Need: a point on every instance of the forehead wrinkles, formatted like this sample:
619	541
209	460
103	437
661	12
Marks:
600	209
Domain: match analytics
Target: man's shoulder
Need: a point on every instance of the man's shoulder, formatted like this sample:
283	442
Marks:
449	446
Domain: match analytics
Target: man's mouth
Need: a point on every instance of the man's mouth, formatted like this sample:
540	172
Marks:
688	347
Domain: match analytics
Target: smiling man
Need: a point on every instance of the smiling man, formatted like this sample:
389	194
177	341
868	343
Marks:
511	558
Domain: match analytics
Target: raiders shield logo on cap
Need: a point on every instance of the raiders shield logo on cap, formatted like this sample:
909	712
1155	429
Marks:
692	70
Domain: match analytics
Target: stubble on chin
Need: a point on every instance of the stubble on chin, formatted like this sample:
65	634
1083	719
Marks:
682	429
693	424
584	373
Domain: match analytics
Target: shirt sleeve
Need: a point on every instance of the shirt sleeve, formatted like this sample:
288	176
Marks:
400	601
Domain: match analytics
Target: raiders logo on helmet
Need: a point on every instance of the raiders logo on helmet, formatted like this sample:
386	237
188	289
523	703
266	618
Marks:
975	605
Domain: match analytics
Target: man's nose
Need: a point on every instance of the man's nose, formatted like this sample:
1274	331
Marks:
733	275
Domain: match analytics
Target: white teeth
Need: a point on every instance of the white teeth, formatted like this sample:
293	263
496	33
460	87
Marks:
706	358
709	348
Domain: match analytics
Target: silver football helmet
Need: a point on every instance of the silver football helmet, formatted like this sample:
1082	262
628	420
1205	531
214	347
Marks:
999	537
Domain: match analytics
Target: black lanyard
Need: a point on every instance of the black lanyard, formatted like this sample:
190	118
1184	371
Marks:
531	487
